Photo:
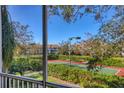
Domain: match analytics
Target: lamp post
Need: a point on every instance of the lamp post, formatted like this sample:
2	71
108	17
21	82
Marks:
70	39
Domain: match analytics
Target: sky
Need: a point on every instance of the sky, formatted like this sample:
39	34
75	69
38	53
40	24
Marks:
58	29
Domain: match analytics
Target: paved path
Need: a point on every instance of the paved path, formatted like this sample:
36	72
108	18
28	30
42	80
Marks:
59	81
120	71
33	73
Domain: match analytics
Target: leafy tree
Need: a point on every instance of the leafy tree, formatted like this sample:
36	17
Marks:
112	32
64	47
76	49
95	47
13	34
22	36
21	33
8	42
70	13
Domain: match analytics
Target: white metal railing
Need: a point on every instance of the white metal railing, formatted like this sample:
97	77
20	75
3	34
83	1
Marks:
13	81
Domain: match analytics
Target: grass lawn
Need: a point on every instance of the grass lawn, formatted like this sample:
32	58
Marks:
38	76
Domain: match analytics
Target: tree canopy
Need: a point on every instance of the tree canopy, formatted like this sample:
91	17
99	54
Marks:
22	34
70	13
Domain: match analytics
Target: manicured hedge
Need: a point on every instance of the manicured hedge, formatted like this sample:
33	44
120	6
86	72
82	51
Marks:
63	57
31	57
118	62
84	78
75	58
53	56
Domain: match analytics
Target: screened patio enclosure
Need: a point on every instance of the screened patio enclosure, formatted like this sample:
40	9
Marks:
13	81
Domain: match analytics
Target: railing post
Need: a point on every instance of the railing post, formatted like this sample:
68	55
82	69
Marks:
0	44
45	50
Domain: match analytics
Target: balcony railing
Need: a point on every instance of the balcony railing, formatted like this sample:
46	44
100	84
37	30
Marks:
13	81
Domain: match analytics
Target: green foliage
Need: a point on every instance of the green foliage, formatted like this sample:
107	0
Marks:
63	48
8	42
53	56
112	32
118	62
92	64
25	64
31	57
75	58
65	72
84	78
71	13
63	57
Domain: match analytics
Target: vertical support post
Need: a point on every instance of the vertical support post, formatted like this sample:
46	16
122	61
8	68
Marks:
70	51
45	50
0	39
0	44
